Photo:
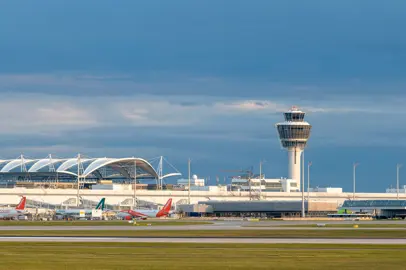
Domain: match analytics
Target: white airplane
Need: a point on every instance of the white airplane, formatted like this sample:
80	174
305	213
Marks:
144	214
14	213
77	211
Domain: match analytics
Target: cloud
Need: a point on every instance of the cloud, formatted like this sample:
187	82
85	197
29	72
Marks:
30	114
177	85
255	105
52	114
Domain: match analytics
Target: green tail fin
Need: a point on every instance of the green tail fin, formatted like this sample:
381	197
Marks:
100	206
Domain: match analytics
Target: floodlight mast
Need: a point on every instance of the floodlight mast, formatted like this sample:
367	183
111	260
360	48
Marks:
135	184
261	177
78	185
354	167
188	190
398	166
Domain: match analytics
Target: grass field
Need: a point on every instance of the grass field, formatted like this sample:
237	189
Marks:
360	225
74	256
100	223
216	233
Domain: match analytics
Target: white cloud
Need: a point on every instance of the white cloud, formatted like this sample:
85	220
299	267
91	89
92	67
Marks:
329	106
210	116
254	105
29	114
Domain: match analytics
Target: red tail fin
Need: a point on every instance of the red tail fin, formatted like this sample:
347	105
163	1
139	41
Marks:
21	205
165	210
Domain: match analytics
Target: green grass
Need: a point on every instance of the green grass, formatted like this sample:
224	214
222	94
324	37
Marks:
360	225
100	223
216	233
103	256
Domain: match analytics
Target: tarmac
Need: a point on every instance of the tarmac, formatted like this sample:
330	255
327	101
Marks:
205	240
217	225
177	228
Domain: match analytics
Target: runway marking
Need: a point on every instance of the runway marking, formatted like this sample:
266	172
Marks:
205	240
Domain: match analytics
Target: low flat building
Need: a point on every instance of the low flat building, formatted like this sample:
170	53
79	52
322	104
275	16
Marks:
377	208
326	190
194	181
402	190
264	185
209	188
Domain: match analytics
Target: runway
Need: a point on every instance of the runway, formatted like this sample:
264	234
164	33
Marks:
206	240
182	228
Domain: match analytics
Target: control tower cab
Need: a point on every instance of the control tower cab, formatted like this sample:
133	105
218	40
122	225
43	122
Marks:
294	133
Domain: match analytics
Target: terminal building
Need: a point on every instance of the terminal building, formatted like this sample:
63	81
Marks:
59	172
269	209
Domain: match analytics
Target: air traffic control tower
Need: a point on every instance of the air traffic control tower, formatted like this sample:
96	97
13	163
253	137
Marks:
293	134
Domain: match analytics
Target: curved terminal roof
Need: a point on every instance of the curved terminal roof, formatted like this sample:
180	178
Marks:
88	167
12	164
43	163
121	165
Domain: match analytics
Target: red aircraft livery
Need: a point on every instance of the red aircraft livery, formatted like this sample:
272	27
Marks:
141	213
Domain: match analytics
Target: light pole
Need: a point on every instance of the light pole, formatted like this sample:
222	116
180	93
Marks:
309	164
188	195
303	198
78	185
260	178
398	166
355	165
135	184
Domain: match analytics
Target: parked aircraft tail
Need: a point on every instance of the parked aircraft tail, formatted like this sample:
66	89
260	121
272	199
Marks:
100	205
21	205
166	209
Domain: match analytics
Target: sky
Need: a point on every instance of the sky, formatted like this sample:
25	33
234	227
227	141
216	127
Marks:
208	80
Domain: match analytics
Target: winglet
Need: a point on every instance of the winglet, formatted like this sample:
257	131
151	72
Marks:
100	205
21	204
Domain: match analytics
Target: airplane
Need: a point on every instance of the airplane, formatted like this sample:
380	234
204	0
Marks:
144	214
78	211
14	213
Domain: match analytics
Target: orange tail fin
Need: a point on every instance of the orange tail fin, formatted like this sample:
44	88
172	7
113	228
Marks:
165	210
21	205
167	206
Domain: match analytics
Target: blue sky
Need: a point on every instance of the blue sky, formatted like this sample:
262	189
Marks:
207	80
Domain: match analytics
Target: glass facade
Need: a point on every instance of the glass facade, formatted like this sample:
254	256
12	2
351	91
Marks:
299	144
374	203
294	132
294	116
